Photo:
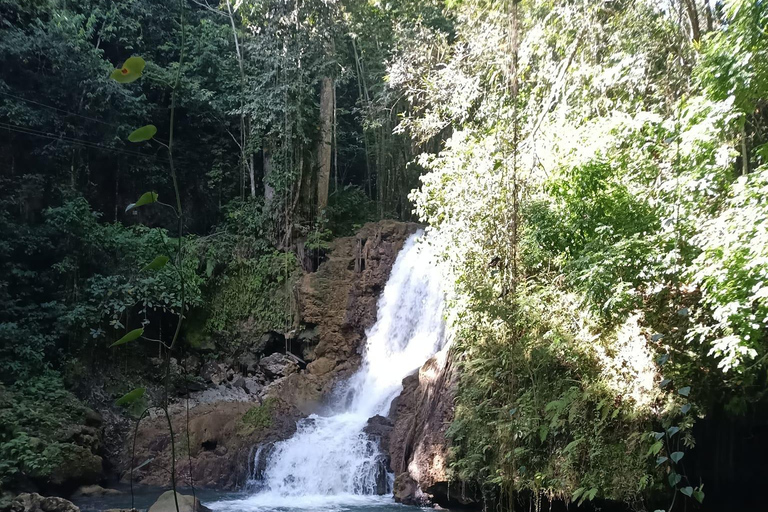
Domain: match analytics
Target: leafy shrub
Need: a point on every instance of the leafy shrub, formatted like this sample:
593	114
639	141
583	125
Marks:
74	280
348	209
32	416
259	288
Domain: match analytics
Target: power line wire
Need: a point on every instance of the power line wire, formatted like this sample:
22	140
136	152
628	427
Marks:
58	109
88	144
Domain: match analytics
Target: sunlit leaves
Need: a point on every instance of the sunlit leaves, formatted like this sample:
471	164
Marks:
157	263
134	334
143	133
130	71
145	199
131	397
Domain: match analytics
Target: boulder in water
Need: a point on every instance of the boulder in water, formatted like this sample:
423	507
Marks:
33	502
407	491
166	503
379	429
94	490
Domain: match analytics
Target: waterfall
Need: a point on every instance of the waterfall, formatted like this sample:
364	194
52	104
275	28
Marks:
330	455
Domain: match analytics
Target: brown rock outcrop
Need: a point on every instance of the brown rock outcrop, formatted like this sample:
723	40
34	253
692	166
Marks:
339	300
33	502
418	445
167	503
221	436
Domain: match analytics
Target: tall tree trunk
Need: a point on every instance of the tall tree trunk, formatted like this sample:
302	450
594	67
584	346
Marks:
269	191
243	130
693	17
324	146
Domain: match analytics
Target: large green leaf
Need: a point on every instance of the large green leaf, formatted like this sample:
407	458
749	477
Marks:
698	494
146	198
156	264
674	479
684	391
131	396
134	334
676	456
143	133
130	71
688	491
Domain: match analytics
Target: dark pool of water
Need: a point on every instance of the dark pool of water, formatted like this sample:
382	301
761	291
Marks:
220	501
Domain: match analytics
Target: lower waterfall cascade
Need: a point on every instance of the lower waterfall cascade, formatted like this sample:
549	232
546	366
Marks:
330	456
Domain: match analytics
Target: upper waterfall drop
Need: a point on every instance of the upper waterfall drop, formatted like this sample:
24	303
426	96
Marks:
330	455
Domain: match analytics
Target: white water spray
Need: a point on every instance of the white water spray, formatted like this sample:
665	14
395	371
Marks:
331	456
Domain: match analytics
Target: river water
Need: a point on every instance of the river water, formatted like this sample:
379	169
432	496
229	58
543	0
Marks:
330	464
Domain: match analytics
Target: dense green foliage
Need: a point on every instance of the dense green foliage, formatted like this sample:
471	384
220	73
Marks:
601	203
595	175
31	415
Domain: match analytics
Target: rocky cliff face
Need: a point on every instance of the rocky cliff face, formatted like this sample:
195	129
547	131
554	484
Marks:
257	399
418	445
338	302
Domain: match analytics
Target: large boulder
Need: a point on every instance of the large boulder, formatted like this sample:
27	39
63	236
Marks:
419	447
379	430
278	365
94	490
79	467
166	503
33	502
222	436
407	491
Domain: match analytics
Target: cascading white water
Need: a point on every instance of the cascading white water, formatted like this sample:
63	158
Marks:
330	455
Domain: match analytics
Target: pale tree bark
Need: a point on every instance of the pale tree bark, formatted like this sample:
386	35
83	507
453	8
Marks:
269	191
246	162
324	146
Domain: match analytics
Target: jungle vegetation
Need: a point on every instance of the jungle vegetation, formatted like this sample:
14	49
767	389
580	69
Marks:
594	172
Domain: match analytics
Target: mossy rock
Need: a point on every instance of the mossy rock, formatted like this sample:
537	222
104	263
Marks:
258	418
78	466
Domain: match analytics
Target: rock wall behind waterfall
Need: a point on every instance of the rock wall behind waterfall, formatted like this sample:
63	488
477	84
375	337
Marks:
340	300
418	446
337	303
